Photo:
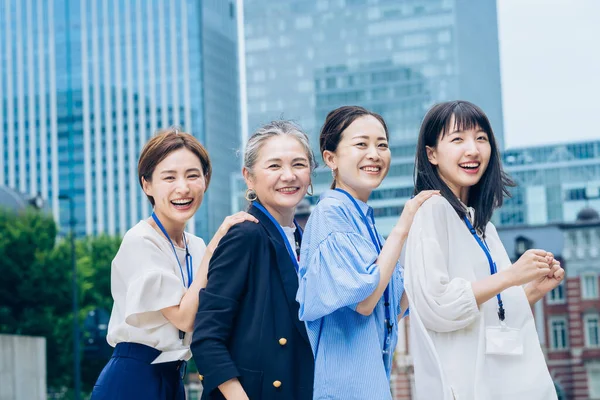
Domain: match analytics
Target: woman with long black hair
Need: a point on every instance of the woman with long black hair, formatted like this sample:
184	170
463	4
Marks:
472	330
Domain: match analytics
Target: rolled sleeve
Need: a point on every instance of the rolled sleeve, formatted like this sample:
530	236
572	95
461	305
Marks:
342	272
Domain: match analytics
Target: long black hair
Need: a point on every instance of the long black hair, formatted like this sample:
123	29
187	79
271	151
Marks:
336	123
485	196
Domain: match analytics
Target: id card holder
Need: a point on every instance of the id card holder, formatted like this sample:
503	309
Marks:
502	340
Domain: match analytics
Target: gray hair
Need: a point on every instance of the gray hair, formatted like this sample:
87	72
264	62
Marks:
276	128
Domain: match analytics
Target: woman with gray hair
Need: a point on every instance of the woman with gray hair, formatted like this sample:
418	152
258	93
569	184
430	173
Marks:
248	342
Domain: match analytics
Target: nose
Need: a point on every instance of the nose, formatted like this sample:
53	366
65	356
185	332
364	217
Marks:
472	149
373	153
183	186
287	174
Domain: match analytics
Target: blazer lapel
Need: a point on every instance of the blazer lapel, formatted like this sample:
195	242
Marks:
287	270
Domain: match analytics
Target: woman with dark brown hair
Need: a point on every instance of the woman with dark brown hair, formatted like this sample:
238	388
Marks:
157	274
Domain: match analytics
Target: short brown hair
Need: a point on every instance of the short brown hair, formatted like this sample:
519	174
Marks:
164	143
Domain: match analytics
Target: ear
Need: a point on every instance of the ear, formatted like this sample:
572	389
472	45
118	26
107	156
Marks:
146	186
330	159
431	155
247	177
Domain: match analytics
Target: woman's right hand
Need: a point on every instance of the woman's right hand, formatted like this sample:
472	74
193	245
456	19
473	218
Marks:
533	264
410	209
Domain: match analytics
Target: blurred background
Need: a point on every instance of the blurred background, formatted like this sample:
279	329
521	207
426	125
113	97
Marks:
85	83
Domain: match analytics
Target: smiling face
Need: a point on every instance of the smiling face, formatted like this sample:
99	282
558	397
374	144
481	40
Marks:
362	158
177	187
461	158
280	177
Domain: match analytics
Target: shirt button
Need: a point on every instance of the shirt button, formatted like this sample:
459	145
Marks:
277	384
283	341
201	377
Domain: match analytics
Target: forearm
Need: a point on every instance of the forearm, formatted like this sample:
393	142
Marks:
485	289
387	260
233	390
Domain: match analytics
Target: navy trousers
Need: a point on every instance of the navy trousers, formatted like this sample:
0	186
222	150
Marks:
129	374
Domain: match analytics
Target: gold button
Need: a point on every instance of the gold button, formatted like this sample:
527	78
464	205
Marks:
201	377
283	341
277	384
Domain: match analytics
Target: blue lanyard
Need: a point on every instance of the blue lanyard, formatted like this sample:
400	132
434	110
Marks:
188	257
291	252
493	270
375	239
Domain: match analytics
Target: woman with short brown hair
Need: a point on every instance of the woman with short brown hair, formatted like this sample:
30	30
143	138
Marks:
157	274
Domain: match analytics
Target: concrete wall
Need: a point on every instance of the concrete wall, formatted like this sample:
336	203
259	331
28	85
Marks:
22	368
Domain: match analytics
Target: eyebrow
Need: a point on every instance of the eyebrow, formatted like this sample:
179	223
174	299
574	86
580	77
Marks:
279	159
368	137
172	171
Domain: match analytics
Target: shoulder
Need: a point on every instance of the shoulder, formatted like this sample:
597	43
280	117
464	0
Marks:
141	235
243	235
434	207
331	211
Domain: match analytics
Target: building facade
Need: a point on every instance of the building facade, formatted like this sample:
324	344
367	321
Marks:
305	58
554	183
84	84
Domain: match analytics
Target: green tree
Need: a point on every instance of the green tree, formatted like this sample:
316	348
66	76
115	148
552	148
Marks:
36	292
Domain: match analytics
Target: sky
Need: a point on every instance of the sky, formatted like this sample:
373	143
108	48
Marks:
550	66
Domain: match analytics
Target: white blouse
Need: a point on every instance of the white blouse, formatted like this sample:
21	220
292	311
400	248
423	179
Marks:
145	278
448	329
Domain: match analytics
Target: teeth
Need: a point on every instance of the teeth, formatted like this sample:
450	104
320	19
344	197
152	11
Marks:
287	190
181	201
371	169
470	165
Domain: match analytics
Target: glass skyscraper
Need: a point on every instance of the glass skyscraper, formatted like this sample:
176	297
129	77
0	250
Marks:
85	83
306	57
555	182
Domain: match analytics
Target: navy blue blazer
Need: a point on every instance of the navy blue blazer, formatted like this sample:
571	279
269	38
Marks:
247	323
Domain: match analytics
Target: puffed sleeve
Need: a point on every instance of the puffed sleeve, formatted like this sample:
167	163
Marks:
219	304
443	304
341	272
150	281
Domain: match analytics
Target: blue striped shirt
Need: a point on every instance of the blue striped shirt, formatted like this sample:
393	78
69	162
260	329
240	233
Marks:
338	270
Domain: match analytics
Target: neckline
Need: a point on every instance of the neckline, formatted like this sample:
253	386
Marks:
163	238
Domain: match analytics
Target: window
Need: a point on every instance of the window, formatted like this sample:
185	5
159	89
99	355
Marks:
593	375
557	295
592	330
558	333
589	286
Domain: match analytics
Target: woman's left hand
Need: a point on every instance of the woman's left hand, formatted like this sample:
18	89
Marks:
548	282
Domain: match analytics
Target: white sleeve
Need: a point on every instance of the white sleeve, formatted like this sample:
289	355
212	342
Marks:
443	304
151	282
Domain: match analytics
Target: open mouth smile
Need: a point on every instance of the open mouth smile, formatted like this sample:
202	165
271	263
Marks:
471	167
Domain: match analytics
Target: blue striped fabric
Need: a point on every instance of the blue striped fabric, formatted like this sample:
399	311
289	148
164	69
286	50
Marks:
338	271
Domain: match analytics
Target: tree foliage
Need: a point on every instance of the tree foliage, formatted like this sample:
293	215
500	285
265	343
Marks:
36	289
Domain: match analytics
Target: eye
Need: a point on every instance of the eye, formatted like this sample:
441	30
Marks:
456	139
383	145
483	138
273	166
169	178
300	165
194	176
361	144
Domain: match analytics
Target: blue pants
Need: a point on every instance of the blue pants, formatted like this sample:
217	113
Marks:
129	375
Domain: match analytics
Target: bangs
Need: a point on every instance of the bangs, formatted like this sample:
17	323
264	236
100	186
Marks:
467	116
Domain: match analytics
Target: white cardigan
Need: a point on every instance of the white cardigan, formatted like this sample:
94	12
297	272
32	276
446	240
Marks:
447	329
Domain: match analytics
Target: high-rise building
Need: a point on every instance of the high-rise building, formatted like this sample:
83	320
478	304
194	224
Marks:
554	183
305	58
84	84
397	58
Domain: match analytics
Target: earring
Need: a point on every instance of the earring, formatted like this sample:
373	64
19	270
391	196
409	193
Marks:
312	190
251	195
333	173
